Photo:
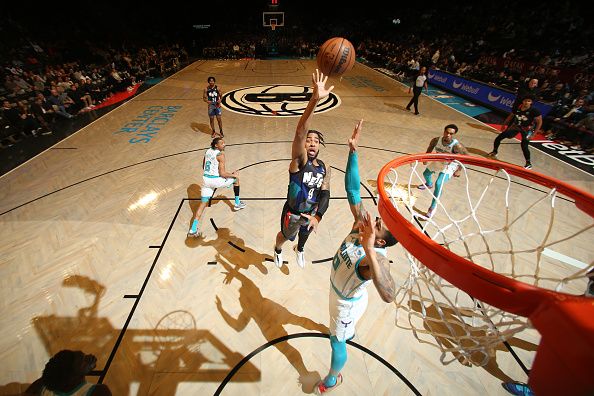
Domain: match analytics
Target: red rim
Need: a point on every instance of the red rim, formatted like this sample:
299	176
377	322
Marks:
498	290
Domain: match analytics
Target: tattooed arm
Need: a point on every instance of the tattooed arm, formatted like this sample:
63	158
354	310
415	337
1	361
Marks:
379	266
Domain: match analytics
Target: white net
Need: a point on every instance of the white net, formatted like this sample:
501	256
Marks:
508	225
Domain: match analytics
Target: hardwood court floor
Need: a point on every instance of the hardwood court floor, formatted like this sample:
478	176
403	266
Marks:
93	241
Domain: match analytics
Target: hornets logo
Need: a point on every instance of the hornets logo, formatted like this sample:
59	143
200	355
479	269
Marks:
275	100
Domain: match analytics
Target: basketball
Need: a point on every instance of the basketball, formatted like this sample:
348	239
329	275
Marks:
336	57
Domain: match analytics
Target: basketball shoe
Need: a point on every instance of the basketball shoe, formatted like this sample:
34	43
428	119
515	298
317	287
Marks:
517	388
239	206
300	257
424	186
278	258
322	389
196	234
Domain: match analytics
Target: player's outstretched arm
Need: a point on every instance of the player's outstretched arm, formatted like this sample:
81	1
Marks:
298	151
352	180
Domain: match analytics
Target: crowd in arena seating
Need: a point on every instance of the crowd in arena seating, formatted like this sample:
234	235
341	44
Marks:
505	49
35	95
502	46
39	89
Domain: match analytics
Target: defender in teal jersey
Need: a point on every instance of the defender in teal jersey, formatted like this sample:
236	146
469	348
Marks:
309	181
360	260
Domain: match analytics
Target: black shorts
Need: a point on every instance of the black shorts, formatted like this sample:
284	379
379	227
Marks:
293	223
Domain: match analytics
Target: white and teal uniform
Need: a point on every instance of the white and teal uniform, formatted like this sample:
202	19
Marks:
211	177
348	291
443	167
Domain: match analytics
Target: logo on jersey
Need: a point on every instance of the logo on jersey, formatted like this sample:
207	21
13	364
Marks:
279	100
345	324
313	181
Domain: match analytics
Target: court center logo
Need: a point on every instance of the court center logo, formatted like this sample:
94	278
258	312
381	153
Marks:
278	100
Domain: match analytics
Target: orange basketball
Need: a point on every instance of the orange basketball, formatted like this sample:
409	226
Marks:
336	57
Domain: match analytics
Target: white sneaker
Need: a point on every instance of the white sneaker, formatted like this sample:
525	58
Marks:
430	212
300	257
239	206
196	234
278	258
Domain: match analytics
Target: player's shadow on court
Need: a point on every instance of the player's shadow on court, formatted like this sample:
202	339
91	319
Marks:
233	249
203	128
270	317
397	106
446	335
482	127
479	152
194	196
175	346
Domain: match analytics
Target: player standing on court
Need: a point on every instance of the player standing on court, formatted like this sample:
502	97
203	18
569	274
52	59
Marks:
445	144
215	176
360	259
308	196
525	120
212	95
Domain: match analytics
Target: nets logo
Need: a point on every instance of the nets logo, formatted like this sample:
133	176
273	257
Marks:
275	100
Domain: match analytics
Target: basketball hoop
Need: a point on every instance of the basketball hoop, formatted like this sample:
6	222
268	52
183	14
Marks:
469	246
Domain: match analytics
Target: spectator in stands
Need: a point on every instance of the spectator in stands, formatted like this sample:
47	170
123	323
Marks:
19	118
29	123
413	66
11	85
43	112
585	129
38	83
64	374
528	88
77	102
58	104
435	57
559	95
575	113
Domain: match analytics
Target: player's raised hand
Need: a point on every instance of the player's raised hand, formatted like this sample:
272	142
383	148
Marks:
354	140
319	83
367	232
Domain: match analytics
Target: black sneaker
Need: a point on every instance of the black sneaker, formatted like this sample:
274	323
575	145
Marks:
528	165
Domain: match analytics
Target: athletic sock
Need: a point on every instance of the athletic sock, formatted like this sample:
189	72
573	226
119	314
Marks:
301	241
194	226
236	192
